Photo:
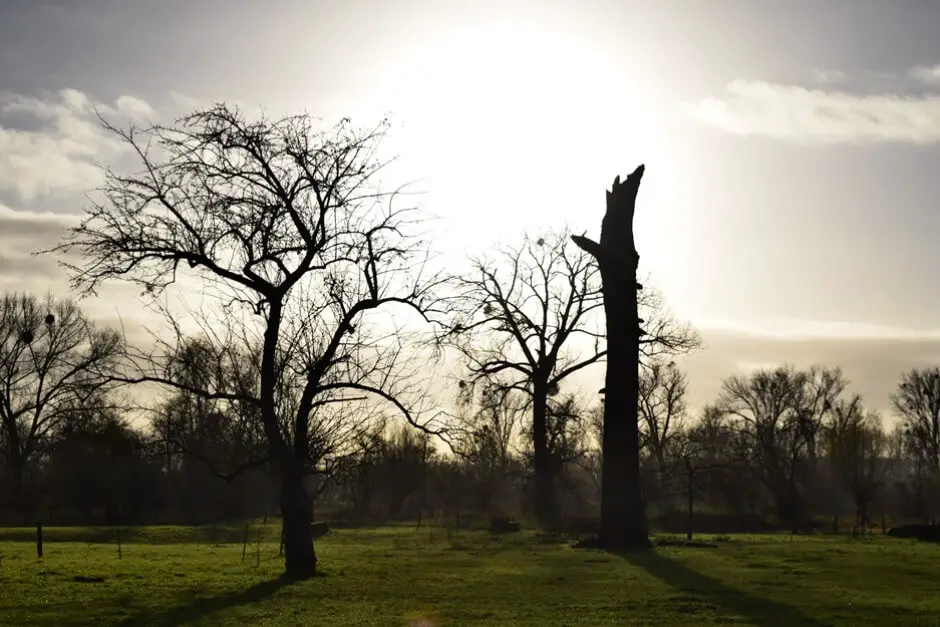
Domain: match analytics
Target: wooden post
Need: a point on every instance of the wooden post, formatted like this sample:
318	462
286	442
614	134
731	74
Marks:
39	540
245	544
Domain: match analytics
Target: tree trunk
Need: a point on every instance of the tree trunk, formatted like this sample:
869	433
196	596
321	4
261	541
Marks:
297	511
623	514
542	467
20	496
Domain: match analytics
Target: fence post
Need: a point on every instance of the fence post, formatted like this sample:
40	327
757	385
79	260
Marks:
39	540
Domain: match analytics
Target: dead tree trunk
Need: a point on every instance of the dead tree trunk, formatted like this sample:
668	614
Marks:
623	514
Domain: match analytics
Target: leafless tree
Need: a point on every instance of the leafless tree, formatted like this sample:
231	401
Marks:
52	358
662	408
664	336
779	414
488	423
591	462
228	436
485	438
292	239
917	401
691	466
521	315
857	448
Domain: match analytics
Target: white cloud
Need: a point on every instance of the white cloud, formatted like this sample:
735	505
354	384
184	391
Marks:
814	116
927	74
23	233
828	76
54	146
802	329
185	101
751	366
134	108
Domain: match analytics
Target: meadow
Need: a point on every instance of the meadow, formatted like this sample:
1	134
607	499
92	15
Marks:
432	576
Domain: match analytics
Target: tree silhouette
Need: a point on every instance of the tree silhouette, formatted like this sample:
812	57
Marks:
289	234
779	415
917	401
856	446
662	408
52	358
518	316
623	515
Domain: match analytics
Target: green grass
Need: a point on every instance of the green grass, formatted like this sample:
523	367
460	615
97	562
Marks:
396	576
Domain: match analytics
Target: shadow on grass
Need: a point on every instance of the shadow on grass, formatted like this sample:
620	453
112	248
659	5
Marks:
201	608
757	609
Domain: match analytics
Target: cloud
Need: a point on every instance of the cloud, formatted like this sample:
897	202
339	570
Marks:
53	146
828	76
750	366
134	108
818	116
927	74
873	366
21	234
802	329
872	356
186	102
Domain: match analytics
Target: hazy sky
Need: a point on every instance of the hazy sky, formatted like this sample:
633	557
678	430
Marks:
790	207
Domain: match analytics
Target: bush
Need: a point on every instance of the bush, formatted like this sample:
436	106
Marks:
925	533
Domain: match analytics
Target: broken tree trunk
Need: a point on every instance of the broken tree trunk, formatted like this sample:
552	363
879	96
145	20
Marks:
623	514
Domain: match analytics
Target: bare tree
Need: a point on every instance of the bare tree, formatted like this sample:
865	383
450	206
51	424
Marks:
519	319
917	401
662	408
297	246
228	436
664	336
857	448
490	420
779	414
591	462
52	358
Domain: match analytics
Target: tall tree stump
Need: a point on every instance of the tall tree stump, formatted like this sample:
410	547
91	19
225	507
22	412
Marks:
623	513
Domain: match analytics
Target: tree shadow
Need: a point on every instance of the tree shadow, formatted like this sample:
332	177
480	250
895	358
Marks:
760	610
201	608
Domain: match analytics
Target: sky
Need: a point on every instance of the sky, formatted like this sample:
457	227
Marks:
790	205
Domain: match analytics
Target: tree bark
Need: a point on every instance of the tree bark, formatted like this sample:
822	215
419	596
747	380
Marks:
545	510
623	514
300	557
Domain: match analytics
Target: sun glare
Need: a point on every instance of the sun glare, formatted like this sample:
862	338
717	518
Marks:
516	127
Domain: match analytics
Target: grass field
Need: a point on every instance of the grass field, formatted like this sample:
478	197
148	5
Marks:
398	576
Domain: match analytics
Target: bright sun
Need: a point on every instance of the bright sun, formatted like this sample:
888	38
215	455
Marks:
517	127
